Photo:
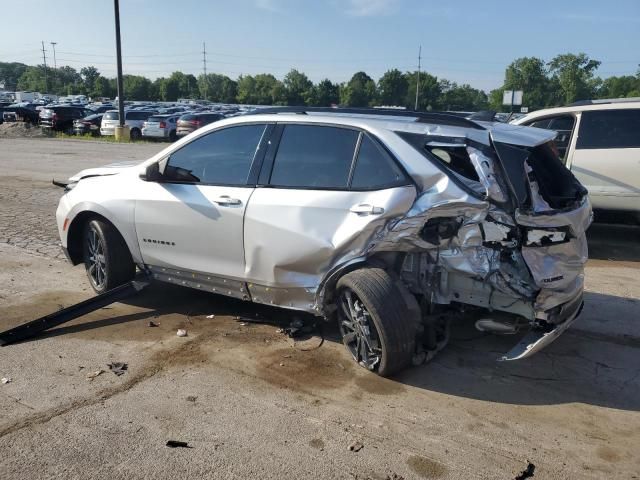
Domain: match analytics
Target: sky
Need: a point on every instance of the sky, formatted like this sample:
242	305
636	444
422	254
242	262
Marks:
464	41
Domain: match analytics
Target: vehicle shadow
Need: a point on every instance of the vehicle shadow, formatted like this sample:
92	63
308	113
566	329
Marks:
582	366
608	241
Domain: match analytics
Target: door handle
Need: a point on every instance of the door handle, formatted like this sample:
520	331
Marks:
227	200
366	209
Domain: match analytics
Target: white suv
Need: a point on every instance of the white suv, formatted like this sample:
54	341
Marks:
600	142
133	118
390	222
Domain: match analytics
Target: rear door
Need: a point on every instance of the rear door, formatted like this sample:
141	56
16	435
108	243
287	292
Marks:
193	218
606	159
322	194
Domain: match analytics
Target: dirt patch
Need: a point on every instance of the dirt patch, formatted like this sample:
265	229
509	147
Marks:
291	368
426	468
317	443
608	454
371	383
20	129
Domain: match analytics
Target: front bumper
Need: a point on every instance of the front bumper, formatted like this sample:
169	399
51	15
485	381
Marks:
536	340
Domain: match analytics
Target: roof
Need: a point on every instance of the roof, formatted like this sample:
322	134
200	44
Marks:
579	108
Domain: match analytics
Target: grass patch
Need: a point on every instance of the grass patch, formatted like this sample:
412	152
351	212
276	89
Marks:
97	138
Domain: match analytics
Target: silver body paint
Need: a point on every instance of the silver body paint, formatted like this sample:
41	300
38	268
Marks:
282	246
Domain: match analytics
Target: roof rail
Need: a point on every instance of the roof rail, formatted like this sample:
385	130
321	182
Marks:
422	117
601	101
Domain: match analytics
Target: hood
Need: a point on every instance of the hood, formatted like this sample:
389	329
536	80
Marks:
111	169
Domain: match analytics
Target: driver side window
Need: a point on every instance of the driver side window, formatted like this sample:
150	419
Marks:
222	157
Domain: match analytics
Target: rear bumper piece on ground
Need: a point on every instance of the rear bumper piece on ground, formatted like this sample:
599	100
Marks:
536	340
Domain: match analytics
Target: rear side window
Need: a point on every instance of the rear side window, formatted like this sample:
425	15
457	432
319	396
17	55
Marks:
314	157
222	157
138	115
562	124
375	168
110	116
609	129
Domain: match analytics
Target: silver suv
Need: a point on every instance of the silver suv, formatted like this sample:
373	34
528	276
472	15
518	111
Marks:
390	223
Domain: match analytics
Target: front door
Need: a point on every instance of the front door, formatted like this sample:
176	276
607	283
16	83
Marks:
193	218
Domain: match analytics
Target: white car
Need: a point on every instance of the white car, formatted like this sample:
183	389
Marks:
600	142
133	118
161	126
390	222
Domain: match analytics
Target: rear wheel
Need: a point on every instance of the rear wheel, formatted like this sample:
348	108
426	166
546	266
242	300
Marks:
374	321
106	257
135	134
172	136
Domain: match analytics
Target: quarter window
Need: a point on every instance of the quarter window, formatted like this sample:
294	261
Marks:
564	126
222	157
375	169
314	157
609	129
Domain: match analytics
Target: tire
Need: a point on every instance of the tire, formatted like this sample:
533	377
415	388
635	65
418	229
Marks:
392	332
106	257
135	134
172	136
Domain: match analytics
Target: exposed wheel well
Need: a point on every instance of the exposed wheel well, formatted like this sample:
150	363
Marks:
74	237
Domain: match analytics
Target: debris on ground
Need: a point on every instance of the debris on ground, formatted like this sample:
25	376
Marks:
191	398
355	447
94	374
118	368
527	472
152	324
20	129
6	380
181	332
307	344
211	316
394	476
177	443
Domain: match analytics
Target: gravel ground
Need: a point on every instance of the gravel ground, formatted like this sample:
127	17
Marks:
253	404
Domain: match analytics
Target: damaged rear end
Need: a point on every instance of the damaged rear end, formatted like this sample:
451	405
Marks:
501	235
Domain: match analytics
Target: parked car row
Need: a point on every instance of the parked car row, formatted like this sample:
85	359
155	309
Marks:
154	121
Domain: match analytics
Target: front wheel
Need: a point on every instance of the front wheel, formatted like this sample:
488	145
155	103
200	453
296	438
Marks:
106	257
375	323
135	134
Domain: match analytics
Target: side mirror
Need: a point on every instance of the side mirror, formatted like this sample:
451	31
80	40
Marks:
152	173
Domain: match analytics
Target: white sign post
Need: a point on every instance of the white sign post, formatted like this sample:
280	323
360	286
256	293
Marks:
512	97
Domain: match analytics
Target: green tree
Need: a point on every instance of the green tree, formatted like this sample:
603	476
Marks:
89	76
462	97
246	90
428	95
393	88
10	73
217	88
33	80
573	77
325	94
360	91
298	87
172	88
619	87
136	87
101	88
529	74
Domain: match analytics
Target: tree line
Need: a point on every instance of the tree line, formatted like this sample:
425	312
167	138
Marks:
565	79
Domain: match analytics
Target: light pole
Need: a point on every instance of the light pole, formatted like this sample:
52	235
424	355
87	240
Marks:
116	8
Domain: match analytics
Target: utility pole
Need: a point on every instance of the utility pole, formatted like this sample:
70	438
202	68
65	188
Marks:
55	64
116	8
204	65
418	79
44	59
